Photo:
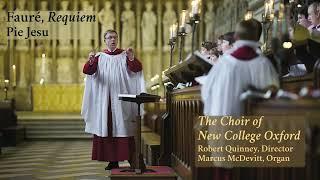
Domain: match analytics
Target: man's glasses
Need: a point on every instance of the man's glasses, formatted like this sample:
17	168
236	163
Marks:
112	37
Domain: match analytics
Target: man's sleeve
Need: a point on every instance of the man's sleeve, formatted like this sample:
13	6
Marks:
91	66
134	65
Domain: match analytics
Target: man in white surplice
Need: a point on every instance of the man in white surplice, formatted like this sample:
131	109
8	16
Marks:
236	70
109	73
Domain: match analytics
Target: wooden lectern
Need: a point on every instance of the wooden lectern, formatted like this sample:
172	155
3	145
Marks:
140	167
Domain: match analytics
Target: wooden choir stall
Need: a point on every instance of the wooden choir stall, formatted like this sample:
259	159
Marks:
174	120
10	132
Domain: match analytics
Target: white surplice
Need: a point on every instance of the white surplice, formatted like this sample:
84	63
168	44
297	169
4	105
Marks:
111	78
222	87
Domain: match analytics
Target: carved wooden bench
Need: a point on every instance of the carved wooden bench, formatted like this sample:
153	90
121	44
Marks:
150	143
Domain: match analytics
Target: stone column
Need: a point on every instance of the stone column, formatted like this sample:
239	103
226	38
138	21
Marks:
3	50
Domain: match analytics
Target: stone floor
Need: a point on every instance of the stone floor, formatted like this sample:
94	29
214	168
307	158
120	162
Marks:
63	159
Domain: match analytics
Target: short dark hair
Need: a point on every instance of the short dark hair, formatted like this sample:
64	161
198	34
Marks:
229	36
109	31
249	30
208	45
303	11
215	51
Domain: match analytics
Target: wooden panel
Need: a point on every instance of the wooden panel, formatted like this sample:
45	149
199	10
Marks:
294	84
7	114
151	140
152	118
185	106
307	108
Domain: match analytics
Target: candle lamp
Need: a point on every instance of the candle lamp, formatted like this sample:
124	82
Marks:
172	41
195	5
281	44
182	27
6	88
173	30
42	81
182	33
14	76
43	64
275	44
267	21
194	20
269	10
43	68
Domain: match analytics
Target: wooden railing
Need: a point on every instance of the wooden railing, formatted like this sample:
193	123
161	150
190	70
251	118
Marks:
185	108
186	104
10	132
177	137
294	84
305	108
153	116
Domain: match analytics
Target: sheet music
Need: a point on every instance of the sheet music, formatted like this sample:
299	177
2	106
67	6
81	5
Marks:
203	57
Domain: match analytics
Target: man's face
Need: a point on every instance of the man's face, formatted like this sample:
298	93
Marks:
219	43
204	51
225	46
301	18
313	16
111	40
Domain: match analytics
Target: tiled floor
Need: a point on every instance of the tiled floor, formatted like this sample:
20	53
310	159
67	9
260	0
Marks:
70	159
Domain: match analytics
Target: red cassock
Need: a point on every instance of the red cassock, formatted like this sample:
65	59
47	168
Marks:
112	148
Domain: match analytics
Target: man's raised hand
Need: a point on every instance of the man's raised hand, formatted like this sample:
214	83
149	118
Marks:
130	54
91	55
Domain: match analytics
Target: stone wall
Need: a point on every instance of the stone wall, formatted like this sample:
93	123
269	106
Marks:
65	56
229	12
